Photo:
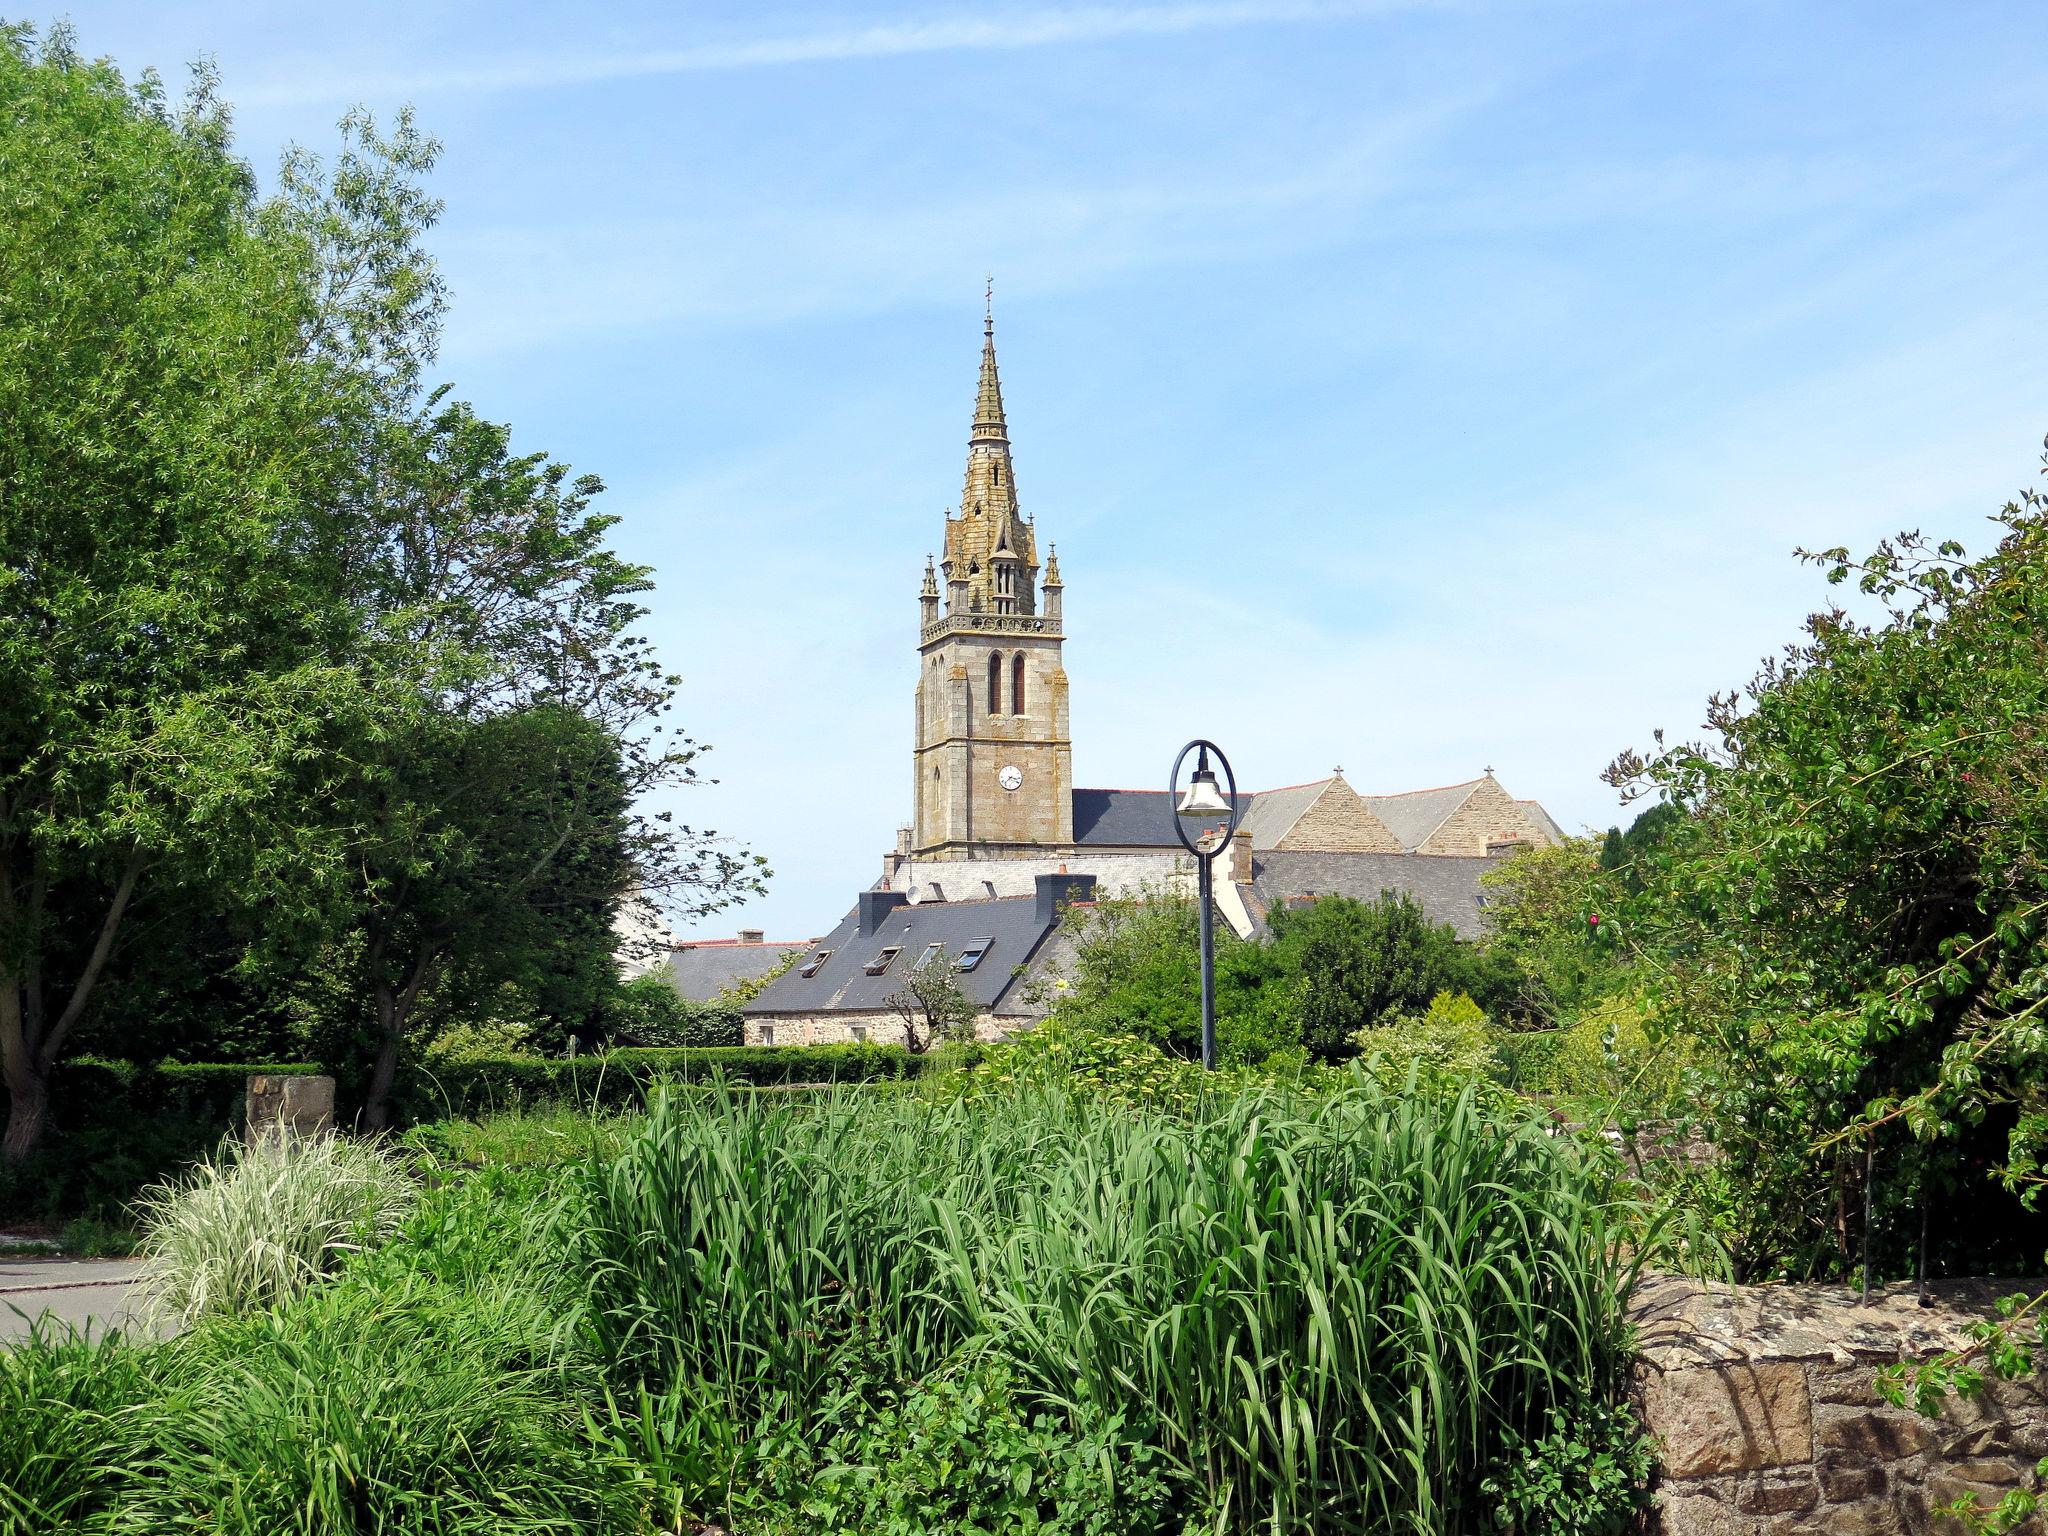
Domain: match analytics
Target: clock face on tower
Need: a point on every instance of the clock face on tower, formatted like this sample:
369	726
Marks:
1010	777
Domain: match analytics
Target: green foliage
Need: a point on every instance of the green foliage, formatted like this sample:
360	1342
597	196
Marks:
622	1079
1332	967
547	1136
1137	972
1415	1275
176	439
65	1399
1451	1042
120	1125
1850	918
1607	1061
648	1011
303	665
266	1221
1363	964
2005	1348
1588	1475
1544	920
955	1454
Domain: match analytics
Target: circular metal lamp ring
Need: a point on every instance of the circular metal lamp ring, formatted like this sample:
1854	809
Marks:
1173	798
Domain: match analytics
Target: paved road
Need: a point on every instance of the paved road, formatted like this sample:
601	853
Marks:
80	1292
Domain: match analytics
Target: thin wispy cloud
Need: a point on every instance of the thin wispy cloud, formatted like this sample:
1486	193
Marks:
953	34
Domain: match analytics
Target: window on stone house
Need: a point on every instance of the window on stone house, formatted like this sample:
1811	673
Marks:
1017	684
816	963
767	1034
971	956
860	1034
995	682
880	963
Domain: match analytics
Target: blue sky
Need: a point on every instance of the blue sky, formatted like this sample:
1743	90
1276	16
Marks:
1410	386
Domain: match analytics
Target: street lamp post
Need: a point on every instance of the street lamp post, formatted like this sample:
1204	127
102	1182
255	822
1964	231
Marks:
1204	797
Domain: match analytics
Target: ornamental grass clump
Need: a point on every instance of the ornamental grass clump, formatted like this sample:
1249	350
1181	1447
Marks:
1329	1313
264	1221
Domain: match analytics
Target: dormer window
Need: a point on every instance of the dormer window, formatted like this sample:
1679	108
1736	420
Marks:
932	952
816	963
972	955
880	963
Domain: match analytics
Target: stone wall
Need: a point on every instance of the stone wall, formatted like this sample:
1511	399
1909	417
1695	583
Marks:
882	1027
1763	1401
1488	817
1338	822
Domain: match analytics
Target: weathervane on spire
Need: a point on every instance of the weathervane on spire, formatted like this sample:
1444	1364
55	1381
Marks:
988	307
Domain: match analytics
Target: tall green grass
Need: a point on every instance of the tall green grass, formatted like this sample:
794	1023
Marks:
1324	1314
263	1222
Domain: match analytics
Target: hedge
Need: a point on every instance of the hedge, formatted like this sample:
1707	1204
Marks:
620	1079
120	1125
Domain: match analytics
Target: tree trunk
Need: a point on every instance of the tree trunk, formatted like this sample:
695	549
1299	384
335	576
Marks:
28	1110
384	1071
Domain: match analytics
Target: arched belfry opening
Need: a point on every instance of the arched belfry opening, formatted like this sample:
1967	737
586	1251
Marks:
995	682
1017	684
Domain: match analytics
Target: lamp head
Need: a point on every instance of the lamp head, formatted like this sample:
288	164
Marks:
1204	796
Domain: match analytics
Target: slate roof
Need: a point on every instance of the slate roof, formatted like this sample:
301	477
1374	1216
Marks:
1446	887
843	984
1542	818
1275	810
702	970
1127	818
1413	816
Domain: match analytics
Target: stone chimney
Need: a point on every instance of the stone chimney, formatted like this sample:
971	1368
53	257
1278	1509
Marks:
753	935
1241	857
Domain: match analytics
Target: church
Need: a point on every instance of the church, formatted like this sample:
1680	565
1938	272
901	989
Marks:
1001	843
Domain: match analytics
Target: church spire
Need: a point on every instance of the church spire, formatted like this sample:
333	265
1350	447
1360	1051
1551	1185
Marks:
989	426
990	544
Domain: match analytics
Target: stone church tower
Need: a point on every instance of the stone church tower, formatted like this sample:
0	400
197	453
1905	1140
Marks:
994	760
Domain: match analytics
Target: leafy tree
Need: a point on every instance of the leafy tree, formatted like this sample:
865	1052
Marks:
181	419
648	1010
283	636
1630	856
1544	919
1851	921
1137	971
931	1004
494	585
1363	963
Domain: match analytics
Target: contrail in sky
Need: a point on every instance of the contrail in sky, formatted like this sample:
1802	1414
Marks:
1028	29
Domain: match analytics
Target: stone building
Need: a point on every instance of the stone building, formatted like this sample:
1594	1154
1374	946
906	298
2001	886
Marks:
995	813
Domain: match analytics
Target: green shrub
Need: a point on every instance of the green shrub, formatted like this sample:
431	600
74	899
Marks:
1451	1042
1415	1276
1606	1060
122	1125
649	1011
435	1387
264	1222
1587	1475
543	1137
959	1453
